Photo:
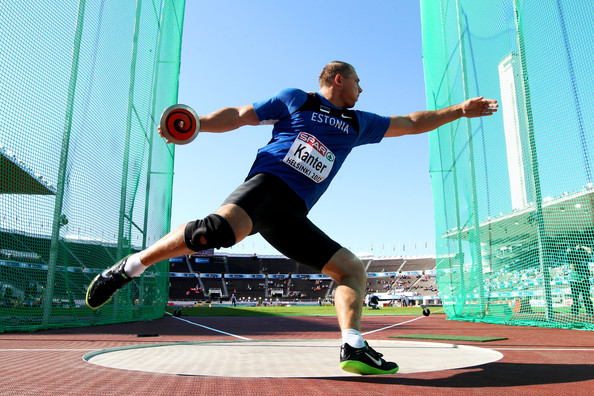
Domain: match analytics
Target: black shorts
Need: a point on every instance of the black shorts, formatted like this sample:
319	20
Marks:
280	216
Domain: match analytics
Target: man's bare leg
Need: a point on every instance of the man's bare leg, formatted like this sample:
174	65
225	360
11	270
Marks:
173	245
106	284
355	355
346	269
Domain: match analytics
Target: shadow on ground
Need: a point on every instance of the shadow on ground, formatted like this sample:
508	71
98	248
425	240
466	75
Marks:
491	375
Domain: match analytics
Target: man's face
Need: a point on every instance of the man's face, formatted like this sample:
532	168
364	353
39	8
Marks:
350	89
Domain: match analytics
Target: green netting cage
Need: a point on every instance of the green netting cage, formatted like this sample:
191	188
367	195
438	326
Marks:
85	178
513	192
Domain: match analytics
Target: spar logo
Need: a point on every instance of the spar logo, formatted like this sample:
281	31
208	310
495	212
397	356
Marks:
316	144
310	157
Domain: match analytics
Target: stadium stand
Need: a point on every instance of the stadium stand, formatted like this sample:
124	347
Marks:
310	289
259	278
186	288
275	265
179	264
385	265
246	288
214	287
26	253
206	266
302	269
418	264
249	264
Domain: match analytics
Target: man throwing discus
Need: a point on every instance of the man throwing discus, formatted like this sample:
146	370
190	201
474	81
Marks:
312	135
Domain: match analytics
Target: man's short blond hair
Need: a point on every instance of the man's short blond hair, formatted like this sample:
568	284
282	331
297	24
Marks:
332	69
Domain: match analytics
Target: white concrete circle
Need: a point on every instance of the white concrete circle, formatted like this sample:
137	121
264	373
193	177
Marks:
283	358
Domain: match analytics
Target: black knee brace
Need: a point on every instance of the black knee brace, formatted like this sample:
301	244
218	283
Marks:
215	229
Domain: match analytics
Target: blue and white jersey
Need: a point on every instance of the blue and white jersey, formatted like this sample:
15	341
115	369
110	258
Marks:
311	139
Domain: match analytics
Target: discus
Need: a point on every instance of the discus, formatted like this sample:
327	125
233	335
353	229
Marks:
180	124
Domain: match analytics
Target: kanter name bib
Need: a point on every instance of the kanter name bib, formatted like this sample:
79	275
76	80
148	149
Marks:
310	157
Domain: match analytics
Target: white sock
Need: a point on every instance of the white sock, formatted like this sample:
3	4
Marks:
353	338
133	266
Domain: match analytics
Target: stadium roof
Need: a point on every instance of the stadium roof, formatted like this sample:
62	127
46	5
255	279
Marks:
562	216
18	178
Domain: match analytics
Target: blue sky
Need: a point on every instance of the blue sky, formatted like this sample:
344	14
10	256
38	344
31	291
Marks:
237	52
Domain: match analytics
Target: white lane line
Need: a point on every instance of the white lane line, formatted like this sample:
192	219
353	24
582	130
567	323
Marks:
398	324
545	349
394	325
208	328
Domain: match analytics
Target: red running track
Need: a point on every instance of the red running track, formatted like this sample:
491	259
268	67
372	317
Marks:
541	361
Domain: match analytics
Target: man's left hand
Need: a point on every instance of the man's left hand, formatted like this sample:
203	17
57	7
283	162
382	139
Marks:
479	107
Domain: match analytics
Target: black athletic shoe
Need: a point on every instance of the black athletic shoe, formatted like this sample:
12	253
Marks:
364	361
106	284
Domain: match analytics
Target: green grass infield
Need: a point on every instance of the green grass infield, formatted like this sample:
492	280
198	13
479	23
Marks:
291	310
449	337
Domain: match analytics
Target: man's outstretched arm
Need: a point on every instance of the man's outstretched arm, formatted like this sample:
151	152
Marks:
228	119
425	121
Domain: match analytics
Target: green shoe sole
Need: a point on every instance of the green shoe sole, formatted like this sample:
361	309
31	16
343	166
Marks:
357	367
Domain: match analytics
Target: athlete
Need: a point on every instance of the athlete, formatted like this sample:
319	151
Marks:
312	135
